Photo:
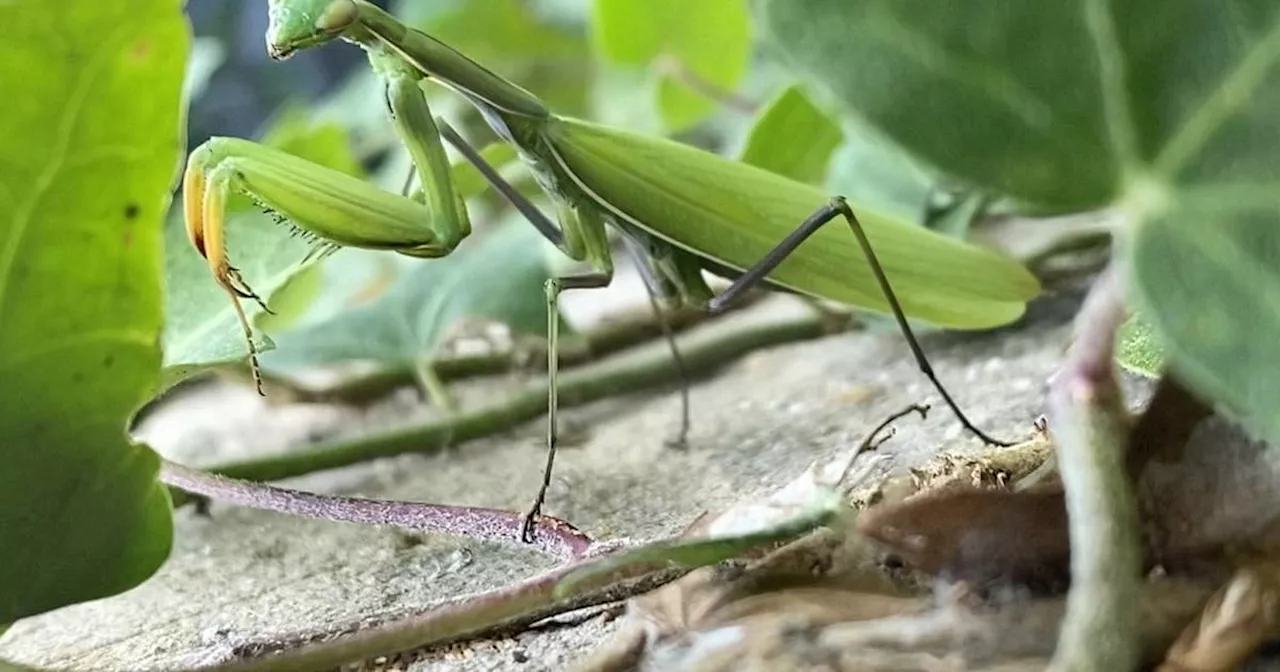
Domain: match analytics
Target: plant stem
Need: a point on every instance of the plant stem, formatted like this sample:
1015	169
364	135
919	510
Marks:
618	333
511	608
629	372
555	537
1091	429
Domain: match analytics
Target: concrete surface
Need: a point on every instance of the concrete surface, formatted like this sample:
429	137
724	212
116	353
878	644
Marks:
244	575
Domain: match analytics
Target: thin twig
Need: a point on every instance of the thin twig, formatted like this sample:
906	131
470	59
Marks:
676	69
1091	429
555	537
874	438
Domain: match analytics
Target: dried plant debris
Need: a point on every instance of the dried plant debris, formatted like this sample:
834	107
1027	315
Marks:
1238	618
816	575
993	560
984	537
993	467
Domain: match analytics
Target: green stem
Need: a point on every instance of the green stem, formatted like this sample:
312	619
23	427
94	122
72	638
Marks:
618	333
1090	426
647	366
434	387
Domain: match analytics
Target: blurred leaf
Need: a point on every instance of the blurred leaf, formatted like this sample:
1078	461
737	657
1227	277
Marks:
325	143
499	277
87	162
293	299
623	98
711	39
494	31
1162	109
514	40
871	171
792	138
1139	349
1210	293
951	211
349	278
955	84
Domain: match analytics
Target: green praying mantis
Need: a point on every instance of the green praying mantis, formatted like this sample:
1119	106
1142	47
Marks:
689	210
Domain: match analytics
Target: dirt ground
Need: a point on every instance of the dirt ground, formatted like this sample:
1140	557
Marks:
243	575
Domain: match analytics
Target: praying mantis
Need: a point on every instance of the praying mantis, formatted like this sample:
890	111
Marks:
689	210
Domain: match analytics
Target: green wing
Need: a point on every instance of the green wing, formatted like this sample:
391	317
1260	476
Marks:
735	213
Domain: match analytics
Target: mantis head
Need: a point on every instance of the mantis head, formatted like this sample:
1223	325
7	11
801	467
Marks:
297	24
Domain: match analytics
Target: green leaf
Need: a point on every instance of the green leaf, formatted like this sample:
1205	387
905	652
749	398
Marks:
1164	111
201	329
792	138
709	39
1210	293
324	143
514	40
1008	97
499	277
871	172
87	160
349	278
1139	349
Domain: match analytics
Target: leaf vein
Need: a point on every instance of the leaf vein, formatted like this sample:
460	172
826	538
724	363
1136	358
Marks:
58	156
1112	73
1221	103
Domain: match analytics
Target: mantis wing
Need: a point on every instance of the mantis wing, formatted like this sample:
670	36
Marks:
734	214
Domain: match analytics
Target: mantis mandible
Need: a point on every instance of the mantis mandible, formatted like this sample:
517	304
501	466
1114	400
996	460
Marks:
688	209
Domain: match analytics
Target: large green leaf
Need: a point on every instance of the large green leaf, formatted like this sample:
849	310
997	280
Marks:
1164	111
89	149
1006	95
711	39
499	277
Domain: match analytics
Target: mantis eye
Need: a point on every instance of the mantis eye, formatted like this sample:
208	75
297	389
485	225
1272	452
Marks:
337	16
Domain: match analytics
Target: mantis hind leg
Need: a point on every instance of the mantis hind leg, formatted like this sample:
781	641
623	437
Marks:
838	207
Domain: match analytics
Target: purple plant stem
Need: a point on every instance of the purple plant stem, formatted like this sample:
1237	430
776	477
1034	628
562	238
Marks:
553	536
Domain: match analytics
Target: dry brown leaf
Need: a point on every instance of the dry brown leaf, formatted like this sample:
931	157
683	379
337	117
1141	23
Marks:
979	536
1238	618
